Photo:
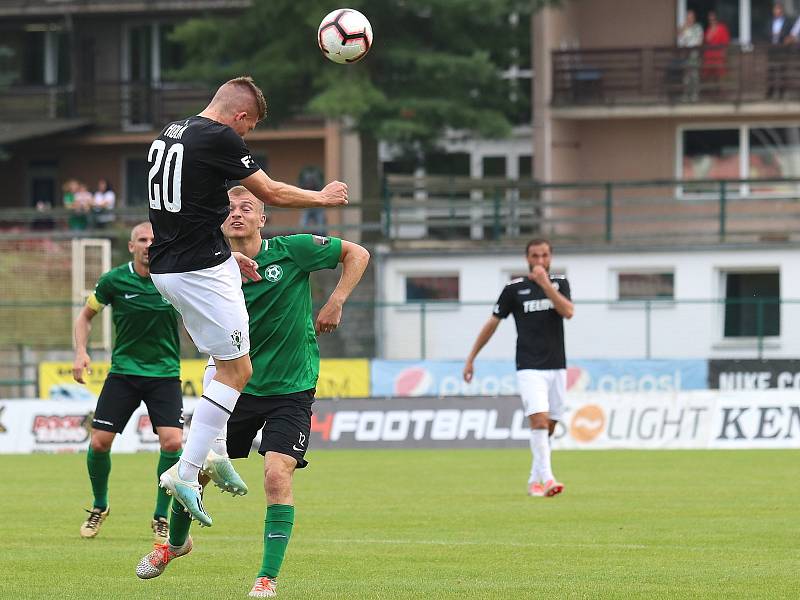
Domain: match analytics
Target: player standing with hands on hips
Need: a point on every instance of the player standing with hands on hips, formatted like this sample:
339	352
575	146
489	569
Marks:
192	266
539	303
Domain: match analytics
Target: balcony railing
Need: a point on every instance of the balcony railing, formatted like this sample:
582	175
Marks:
671	75
109	104
436	210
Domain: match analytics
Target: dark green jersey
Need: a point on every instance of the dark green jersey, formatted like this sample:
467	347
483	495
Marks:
146	340
283	345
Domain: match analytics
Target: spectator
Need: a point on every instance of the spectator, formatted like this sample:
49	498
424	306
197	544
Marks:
103	204
717	37
691	36
782	34
313	219
77	219
781	27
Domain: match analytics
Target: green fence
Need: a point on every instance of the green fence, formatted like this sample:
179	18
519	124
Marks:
643	329
431	209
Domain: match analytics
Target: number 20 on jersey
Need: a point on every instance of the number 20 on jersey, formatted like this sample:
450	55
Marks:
165	163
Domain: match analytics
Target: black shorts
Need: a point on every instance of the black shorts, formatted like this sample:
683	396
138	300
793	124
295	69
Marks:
284	421
122	394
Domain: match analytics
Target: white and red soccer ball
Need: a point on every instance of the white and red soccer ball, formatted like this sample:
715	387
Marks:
344	36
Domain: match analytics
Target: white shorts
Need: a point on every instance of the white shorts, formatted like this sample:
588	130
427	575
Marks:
543	391
211	303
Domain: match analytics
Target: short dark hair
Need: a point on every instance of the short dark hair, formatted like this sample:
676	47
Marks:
245	81
538	242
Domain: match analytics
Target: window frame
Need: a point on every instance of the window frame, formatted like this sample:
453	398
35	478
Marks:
430	275
744	157
726	342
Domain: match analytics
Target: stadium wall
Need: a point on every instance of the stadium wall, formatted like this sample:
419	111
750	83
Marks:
690	326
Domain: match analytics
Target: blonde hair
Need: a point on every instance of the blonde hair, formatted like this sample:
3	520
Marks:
240	190
137	226
230	95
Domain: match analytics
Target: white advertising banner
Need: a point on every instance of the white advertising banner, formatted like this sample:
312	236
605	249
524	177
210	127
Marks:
696	419
28	426
593	420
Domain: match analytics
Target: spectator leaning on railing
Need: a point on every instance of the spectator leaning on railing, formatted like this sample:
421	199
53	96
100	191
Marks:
691	36
103	204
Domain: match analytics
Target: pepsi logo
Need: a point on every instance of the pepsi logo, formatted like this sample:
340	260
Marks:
413	381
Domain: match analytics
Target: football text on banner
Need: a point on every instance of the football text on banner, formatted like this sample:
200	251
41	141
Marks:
694	419
498	378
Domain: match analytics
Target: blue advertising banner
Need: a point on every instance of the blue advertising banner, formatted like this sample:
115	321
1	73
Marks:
498	377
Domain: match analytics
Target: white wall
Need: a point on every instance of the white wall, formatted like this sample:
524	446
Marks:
598	330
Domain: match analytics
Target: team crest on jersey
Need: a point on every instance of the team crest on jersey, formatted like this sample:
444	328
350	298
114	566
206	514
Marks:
320	240
236	339
273	273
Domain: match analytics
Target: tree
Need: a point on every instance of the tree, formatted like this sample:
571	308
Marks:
435	65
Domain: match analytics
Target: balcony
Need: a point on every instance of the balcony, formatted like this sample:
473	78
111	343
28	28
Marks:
25	8
108	105
637	80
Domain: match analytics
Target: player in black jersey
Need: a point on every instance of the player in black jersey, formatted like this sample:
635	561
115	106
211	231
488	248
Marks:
539	303
193	267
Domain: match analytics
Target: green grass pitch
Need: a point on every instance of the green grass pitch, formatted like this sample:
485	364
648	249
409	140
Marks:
428	524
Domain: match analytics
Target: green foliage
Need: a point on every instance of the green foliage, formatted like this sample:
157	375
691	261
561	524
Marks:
434	65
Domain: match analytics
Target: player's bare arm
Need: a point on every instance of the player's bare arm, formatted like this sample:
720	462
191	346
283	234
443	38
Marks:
354	259
563	306
277	193
485	334
83	327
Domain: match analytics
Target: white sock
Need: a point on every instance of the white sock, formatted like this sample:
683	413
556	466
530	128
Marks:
210	416
220	443
541	454
535	471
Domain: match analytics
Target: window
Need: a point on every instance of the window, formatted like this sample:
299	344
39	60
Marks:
747	152
752	304
494	166
747	20
646	286
727	13
136	182
774	152
525	167
710	154
426	287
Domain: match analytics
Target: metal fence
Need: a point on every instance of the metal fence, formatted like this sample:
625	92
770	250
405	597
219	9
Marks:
599	213
745	328
671	75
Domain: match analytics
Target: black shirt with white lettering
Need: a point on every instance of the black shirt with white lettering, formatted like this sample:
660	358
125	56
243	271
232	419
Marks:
540	329
189	163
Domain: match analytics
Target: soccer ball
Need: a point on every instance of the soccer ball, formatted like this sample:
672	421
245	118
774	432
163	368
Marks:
344	36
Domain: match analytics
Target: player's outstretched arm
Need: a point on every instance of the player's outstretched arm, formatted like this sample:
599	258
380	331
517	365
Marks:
277	193
354	259
81	331
485	334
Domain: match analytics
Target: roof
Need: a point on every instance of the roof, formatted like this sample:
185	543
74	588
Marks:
40	8
17	132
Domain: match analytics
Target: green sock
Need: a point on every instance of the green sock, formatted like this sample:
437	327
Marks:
277	530
99	466
165	461
179	523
